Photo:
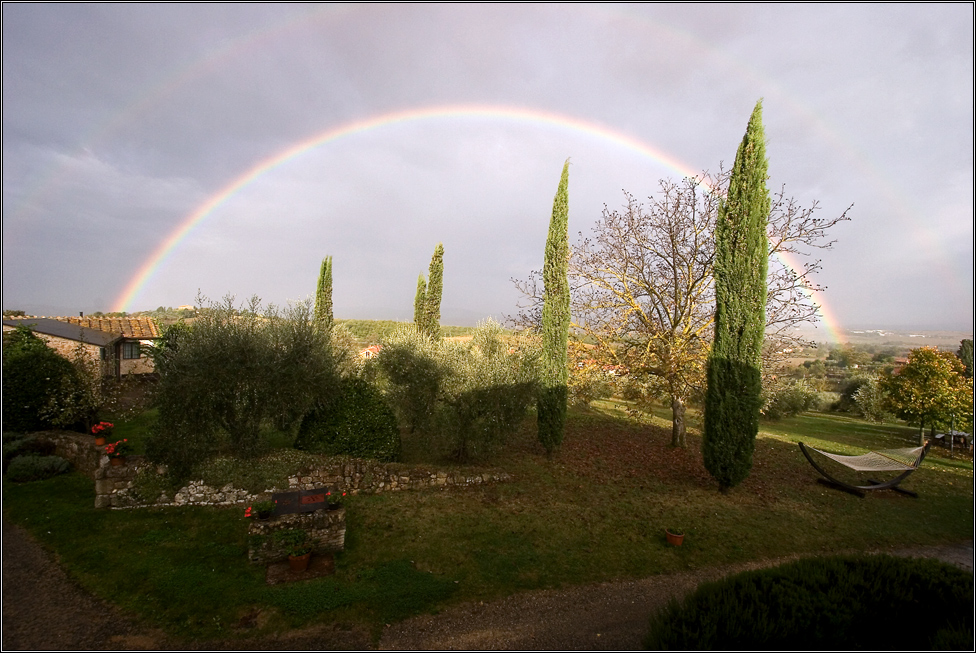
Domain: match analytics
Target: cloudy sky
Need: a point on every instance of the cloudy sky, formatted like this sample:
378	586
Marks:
151	151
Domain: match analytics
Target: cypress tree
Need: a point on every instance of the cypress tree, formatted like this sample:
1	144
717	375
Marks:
732	400
555	322
435	286
323	296
419	301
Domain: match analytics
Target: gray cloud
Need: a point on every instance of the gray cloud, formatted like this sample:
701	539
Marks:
120	120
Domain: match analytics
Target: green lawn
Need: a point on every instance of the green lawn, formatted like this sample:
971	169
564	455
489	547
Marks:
595	512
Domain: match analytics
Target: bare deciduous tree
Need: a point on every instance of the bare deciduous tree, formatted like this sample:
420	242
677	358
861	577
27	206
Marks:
642	285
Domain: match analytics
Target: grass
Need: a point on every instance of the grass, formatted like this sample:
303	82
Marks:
595	512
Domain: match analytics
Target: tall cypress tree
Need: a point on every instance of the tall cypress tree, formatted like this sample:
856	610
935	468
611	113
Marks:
323	296
555	321
419	301
435	286
732	400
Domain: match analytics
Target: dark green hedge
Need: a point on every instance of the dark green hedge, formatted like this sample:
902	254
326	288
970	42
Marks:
840	603
32	374
356	422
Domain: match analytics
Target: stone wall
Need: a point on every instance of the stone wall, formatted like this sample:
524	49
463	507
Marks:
79	449
326	531
113	485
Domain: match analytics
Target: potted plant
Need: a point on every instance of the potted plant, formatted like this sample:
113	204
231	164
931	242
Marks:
262	510
334	498
116	451
298	546
675	536
101	431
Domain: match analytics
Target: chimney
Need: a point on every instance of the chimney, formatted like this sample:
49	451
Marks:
81	313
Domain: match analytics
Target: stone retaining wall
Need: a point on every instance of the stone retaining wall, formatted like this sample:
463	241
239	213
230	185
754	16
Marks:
326	531
113	485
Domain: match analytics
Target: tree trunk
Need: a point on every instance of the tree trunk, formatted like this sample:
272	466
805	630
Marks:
677	422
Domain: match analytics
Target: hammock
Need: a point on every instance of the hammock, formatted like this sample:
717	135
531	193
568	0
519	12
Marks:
905	461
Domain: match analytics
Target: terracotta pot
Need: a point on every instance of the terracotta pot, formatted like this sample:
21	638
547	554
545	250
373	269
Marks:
116	462
674	539
299	563
99	441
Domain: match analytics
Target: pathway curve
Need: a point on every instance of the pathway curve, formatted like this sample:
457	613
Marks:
44	609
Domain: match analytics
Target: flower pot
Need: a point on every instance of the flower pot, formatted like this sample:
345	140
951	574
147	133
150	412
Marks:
299	563
116	462
99	441
264	516
674	539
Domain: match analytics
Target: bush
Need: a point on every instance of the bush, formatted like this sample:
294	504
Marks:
35	468
34	375
789	399
16	444
839	603
465	398
356	422
232	374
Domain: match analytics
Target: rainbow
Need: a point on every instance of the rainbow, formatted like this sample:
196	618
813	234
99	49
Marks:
159	256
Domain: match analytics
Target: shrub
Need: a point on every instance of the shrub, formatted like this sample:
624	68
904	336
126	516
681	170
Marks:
34	375
15	444
356	422
789	399
871	401
465	398
232	373
843	603
35	468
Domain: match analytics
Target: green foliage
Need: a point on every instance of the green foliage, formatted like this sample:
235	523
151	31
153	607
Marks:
323	297
965	354
732	401
35	377
931	390
839	603
419	301
17	444
553	393
465	398
356	421
231	374
871	401
23	469
431	321
788	399
294	540
255	474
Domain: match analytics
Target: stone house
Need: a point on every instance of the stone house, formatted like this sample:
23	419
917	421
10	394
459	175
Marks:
116	344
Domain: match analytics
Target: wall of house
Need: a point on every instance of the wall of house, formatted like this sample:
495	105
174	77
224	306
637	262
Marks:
71	348
142	365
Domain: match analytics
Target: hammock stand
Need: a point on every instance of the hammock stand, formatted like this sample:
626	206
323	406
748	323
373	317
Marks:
886	460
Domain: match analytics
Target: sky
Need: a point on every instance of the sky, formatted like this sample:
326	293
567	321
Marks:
152	153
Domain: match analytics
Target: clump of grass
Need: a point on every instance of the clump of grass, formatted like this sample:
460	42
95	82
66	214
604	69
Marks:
849	603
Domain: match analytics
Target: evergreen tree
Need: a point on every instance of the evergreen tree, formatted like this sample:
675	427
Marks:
435	286
323	297
419	301
555	322
732	399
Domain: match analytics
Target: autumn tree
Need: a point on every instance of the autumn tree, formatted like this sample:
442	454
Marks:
642	286
555	322
931	390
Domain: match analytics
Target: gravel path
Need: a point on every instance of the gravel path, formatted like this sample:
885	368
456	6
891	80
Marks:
44	610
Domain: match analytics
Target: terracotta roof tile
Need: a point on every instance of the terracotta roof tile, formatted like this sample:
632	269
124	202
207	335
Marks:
130	327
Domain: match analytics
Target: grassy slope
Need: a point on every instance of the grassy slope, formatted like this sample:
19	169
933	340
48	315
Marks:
596	512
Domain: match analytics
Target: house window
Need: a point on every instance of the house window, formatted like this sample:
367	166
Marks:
130	350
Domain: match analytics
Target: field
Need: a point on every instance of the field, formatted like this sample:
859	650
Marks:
596	511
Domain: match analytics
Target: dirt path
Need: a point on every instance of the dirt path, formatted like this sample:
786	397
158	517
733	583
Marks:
44	609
